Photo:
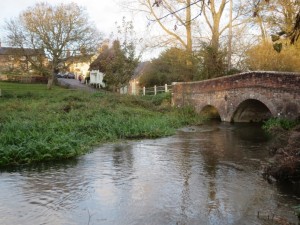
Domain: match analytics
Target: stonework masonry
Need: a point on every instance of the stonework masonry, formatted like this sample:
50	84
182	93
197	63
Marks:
245	97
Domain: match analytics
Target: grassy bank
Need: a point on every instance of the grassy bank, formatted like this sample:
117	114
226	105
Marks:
37	124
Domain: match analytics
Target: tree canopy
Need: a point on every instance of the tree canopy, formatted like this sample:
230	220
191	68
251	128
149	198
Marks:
171	66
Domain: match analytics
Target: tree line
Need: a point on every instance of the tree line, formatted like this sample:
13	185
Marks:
208	39
202	39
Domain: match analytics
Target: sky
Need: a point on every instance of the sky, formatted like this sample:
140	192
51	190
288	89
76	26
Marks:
104	13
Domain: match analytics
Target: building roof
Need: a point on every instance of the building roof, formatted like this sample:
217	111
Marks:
20	51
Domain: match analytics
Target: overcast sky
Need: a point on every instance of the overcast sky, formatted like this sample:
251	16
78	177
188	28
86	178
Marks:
103	12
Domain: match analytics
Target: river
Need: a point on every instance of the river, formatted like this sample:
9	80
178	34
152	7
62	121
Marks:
208	174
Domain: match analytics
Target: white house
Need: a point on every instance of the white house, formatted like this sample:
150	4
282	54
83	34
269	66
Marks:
96	78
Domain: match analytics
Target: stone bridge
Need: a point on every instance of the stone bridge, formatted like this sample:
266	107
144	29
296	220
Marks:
245	97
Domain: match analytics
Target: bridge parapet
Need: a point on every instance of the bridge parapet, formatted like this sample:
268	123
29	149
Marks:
278	91
267	79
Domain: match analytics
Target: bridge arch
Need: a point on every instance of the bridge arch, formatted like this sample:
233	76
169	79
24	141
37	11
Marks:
255	108
277	92
210	112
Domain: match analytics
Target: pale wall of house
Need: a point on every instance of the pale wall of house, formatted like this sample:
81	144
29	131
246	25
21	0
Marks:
80	69
96	77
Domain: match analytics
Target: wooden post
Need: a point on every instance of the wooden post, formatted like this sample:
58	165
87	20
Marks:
144	91
166	88
154	89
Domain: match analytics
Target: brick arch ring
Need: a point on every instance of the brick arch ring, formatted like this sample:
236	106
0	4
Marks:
263	99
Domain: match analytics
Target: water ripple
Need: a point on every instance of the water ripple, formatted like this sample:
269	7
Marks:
201	175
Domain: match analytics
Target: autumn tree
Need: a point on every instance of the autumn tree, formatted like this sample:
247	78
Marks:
56	30
282	18
263	57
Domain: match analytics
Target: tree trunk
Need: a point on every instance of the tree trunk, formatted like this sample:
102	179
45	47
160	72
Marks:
215	39
51	80
229	38
189	43
50	83
262	28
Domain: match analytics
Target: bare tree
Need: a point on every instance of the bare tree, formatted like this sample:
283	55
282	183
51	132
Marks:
57	30
174	17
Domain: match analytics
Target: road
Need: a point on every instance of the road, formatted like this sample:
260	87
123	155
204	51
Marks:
75	84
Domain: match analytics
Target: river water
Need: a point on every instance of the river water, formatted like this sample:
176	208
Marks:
202	175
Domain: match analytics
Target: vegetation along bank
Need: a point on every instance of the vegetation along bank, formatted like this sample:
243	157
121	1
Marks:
285	163
41	125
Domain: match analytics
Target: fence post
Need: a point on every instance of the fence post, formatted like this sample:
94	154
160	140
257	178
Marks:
154	89
144	91
166	88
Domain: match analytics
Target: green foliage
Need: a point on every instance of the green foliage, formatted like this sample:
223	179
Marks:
119	68
297	211
159	98
280	123
173	65
119	61
212	63
277	47
59	123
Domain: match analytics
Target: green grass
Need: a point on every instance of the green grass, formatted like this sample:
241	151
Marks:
285	124
40	125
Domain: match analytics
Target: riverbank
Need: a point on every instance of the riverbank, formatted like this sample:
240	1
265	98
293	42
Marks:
41	125
285	164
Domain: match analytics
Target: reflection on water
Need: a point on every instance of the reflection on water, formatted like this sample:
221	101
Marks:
201	175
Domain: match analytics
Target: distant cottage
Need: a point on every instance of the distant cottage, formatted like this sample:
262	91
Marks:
134	86
20	60
79	65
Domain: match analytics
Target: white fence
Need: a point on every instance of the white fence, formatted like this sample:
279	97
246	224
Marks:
156	89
